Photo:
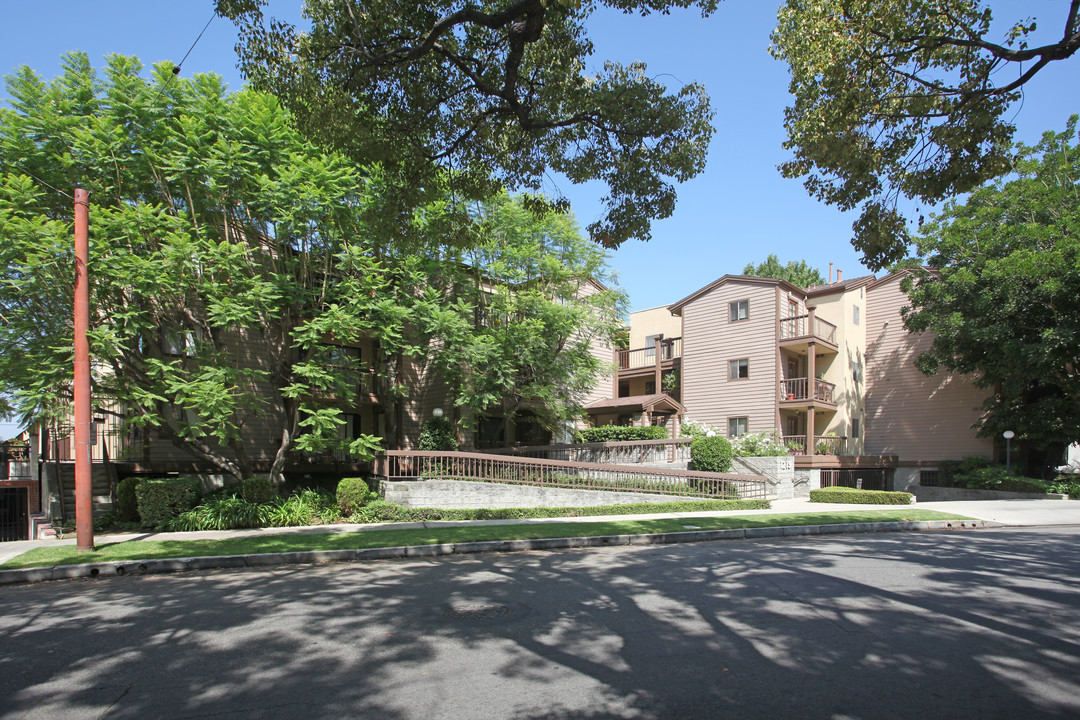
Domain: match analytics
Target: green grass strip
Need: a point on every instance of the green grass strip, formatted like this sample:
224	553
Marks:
376	537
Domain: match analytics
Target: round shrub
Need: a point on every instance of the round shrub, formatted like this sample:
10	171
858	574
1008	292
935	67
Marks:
436	434
711	454
352	494
258	490
127	504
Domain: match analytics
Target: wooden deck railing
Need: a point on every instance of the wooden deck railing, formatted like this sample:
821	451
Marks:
795	389
801	326
418	465
670	348
823	444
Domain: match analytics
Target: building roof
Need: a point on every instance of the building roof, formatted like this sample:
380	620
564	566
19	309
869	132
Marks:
676	308
648	403
852	284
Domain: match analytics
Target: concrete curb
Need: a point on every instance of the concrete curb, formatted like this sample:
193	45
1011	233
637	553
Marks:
310	557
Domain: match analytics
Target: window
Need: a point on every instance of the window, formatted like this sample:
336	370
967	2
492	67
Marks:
624	388
738	426
650	345
178	343
929	478
855	427
650	387
738	369
856	371
855	314
740	310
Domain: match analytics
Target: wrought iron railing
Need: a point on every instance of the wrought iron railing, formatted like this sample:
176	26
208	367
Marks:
408	464
610	453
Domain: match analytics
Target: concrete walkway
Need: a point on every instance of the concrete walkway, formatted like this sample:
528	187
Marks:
997	512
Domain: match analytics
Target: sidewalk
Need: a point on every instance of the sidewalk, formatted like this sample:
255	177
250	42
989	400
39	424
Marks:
997	512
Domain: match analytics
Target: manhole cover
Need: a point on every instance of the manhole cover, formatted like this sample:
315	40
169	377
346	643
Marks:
477	611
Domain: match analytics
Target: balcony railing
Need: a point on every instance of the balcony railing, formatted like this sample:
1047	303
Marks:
670	348
796	389
823	445
807	326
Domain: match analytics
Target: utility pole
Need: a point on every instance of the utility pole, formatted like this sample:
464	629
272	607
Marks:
84	509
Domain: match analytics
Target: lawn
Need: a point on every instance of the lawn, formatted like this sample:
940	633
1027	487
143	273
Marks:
373	537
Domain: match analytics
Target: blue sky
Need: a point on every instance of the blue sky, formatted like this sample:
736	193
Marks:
737	211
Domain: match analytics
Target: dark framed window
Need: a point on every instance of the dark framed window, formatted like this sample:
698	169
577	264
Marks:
739	310
738	426
739	369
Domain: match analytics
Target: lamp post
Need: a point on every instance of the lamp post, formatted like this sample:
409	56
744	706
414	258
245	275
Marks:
1008	435
437	412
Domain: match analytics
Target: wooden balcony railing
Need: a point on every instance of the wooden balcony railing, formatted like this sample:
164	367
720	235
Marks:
807	326
823	445
796	389
670	348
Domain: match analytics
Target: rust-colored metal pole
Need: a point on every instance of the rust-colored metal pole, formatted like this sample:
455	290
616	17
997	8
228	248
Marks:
84	510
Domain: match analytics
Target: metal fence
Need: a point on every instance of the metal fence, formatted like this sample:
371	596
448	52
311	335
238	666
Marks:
407	464
866	479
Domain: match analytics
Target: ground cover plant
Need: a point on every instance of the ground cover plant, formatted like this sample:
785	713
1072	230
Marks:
375	537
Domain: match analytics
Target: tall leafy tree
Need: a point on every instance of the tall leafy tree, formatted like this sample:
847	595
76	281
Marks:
494	90
796	272
214	229
1001	293
905	98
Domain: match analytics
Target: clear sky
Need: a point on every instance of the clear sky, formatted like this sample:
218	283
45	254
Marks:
737	211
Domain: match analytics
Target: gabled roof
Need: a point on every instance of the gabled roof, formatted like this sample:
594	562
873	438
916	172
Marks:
676	308
845	286
647	403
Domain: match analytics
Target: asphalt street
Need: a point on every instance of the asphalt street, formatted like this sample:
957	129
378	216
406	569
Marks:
970	624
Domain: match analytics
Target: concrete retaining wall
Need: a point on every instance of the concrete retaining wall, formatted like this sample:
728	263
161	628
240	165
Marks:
449	494
778	471
944	494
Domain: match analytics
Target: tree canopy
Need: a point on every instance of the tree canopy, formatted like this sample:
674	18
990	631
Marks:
1001	293
903	99
494	91
796	272
234	263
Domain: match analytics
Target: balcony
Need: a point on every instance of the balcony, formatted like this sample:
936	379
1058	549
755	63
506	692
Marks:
823	445
803	328
669	349
797	390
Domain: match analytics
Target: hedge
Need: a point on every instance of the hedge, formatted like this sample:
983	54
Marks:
257	489
622	433
161	499
354	493
711	454
859	497
127	503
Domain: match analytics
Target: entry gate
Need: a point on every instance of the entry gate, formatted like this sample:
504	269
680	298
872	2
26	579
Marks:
14	517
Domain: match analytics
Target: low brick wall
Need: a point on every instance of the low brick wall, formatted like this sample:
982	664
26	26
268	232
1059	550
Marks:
449	494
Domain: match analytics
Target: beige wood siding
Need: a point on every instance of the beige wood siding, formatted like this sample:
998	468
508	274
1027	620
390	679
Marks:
710	341
907	413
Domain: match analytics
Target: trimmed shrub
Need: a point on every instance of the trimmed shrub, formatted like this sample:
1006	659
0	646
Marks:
127	503
161	499
621	433
352	494
711	454
998	478
258	490
436	434
950	470
860	497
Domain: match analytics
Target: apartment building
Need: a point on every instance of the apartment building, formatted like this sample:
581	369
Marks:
829	368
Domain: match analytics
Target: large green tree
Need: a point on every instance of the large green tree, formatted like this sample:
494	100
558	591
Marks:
1001	294
494	90
905	99
796	272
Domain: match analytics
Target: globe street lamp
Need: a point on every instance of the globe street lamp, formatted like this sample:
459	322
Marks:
1008	435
